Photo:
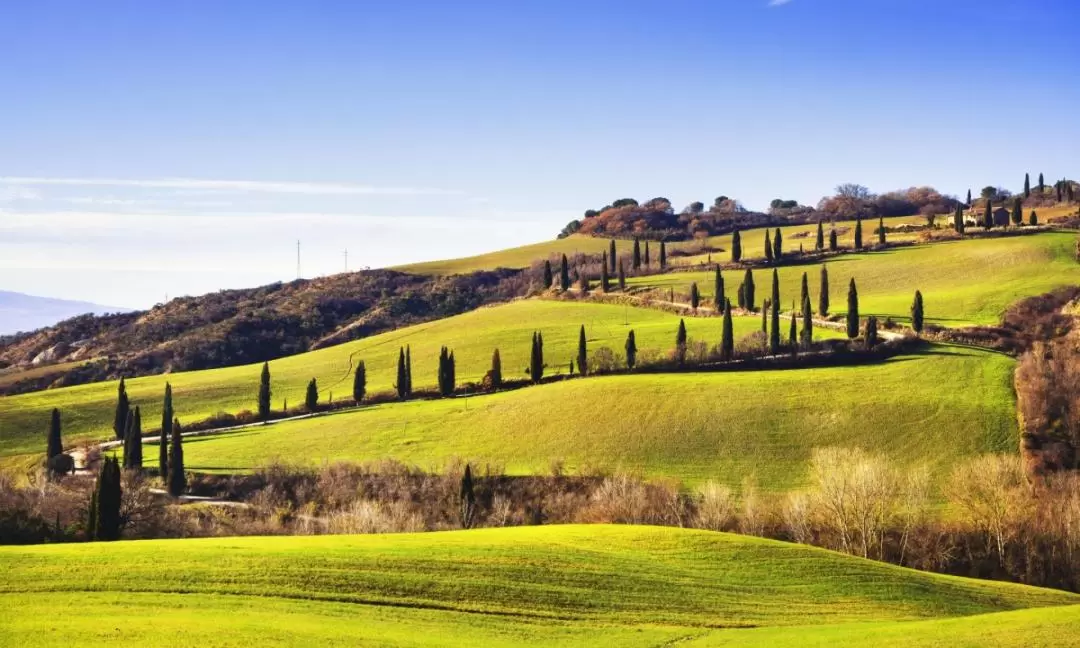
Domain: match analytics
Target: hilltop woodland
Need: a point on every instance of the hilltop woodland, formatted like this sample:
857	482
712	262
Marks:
1012	516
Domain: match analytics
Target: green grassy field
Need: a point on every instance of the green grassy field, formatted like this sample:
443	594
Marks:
576	585
87	410
693	427
963	282
519	257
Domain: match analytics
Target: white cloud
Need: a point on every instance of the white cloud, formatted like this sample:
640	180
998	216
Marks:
11	194
245	186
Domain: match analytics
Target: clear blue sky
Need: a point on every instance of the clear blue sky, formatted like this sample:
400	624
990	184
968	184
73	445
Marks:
152	148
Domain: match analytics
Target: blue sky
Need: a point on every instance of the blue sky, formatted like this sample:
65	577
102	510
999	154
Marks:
177	148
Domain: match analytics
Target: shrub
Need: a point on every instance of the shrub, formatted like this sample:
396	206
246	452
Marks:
716	507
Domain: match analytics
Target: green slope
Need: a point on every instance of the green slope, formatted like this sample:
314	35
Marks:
963	282
578	584
87	410
690	426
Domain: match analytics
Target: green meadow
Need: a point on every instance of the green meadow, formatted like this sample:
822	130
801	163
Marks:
689	426
553	585
968	282
87	410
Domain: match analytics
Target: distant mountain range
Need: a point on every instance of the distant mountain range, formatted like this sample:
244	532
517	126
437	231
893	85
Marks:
19	312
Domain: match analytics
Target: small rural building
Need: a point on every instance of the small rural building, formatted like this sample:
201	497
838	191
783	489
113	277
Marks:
974	217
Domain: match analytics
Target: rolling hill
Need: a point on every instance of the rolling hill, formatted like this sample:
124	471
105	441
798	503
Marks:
564	585
19	312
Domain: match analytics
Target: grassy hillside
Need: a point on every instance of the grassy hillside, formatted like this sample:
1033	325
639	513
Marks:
583	585
88	409
691	426
519	257
963	282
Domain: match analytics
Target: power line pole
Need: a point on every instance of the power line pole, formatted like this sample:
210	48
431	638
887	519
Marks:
298	259
346	259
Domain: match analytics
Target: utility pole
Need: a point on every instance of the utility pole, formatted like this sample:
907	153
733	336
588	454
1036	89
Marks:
298	258
346	259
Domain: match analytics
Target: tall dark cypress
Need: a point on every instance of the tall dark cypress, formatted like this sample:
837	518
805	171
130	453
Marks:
631	350
536	358
917	312
648	261
663	256
833	245
548	278
748	289
496	369
881	230
988	215
359	385
133	441
793	333
741	296
718	291
968	203
167	415
264	394
605	281
765	310
819	242
582	353
445	389
105	522
622	276
958	219
807	334
177	475
1042	185
1027	185
54	445
736	246
611	256
680	344
583	282
695	296
768	247
852	310
1018	212
123	406
402	382
774	319
636	259
858	232
311	396
467	499
871	332
727	335
823	293
777	245
564	274
804	293
1033	219
408	370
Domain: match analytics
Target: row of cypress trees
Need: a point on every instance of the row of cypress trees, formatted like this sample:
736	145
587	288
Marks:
608	266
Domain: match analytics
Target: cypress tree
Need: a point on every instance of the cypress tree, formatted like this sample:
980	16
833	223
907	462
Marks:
819	242
359	385
748	289
823	293
631	349
1027	185
1069	192
548	279
583	282
871	332
1060	186
793	334
736	246
727	335
54	444
496	369
804	294
680	344
467	499
636	258
264	395
536	358
742	296
622	277
695	296
774	320
167	414
648	262
917	313
833	245
408	370
177	476
1018	212
858	232
968	203
582	352
564	274
443	377
718	291
958	219
988	216
768	248
1033	219
852	310
402	382
611	256
605	281
311	397
1042	184
881	230
663	256
123	406
777	246
807	335
105	522
133	441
